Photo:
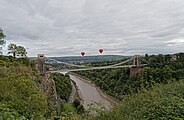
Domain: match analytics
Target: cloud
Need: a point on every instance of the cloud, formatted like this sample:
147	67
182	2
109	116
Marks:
175	42
67	27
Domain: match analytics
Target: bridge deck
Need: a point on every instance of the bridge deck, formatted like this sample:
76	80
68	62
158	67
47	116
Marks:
98	68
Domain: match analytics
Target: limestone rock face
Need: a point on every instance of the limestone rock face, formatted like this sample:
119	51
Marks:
47	86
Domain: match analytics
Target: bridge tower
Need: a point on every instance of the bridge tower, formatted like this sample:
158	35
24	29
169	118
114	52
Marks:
41	64
137	60
137	68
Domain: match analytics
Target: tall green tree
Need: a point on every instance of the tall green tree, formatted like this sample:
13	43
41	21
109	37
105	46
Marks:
2	41
146	77
167	74
14	49
21	50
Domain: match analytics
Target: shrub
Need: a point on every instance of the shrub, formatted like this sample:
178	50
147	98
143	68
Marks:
162	102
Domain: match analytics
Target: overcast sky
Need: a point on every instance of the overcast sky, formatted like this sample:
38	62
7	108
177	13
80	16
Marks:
67	27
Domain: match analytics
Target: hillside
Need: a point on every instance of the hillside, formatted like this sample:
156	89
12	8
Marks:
162	102
25	94
20	96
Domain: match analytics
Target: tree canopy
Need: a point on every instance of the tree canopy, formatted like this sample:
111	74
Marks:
19	93
2	41
14	49
2	36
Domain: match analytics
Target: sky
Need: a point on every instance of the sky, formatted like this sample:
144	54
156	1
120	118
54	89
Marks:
120	27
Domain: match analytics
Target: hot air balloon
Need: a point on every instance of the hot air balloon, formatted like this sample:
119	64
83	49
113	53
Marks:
101	50
82	53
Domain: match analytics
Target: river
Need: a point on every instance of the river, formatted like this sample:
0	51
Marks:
90	95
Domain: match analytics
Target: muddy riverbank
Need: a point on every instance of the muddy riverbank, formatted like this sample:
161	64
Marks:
92	95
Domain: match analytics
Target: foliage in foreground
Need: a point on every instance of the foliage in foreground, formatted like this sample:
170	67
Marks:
162	102
19	92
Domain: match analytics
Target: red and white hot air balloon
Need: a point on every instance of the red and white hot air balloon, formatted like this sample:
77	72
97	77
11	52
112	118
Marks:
82	53
101	50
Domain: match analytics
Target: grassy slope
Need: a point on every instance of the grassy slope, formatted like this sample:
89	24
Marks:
161	102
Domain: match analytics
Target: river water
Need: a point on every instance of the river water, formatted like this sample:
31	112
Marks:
90	95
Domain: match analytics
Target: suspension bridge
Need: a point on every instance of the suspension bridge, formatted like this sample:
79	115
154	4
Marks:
135	67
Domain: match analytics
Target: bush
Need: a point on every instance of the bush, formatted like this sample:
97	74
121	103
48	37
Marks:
20	95
78	106
76	103
6	113
163	102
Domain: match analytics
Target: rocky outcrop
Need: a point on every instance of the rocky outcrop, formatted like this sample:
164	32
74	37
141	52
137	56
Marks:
47	86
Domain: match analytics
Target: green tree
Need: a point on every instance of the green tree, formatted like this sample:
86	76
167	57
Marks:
21	50
2	41
76	103
146	55
14	49
167	74
168	58
146	77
